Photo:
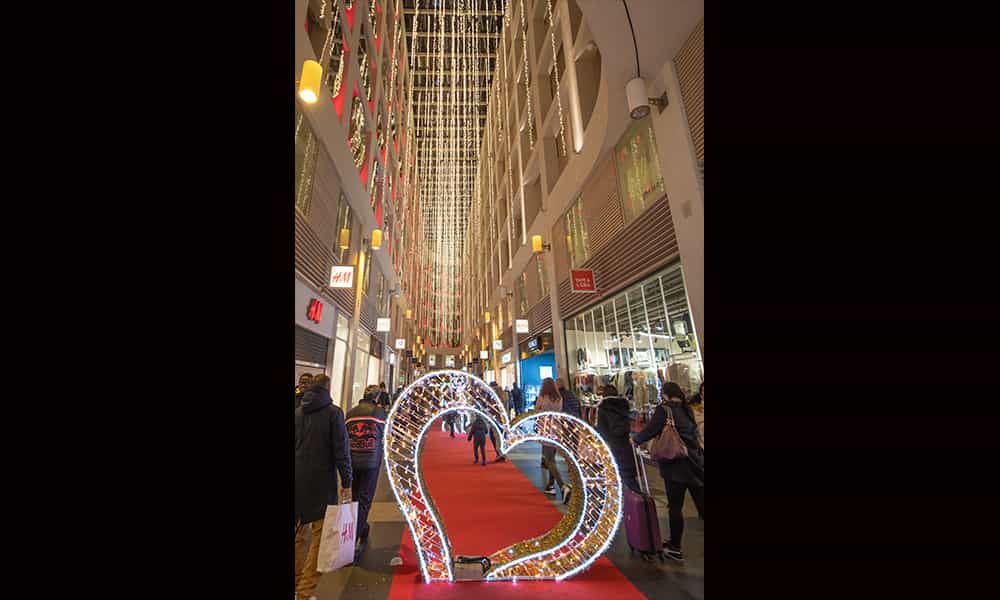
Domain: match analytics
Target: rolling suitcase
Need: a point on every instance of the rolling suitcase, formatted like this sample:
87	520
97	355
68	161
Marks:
642	528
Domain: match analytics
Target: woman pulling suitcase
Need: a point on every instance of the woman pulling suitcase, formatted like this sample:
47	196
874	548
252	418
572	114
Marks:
683	474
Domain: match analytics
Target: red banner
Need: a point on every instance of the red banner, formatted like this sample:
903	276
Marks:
583	280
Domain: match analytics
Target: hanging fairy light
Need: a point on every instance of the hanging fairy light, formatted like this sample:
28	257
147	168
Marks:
527	78
555	74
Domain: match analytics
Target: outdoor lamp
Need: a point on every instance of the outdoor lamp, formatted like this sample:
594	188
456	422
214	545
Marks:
345	239
376	239
409	314
487	316
312	74
537	245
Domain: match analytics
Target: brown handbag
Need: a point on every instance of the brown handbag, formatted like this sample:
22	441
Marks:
669	446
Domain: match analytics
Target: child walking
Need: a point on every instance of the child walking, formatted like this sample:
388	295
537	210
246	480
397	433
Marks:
477	434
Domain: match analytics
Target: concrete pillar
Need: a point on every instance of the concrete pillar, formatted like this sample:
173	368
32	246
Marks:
686	195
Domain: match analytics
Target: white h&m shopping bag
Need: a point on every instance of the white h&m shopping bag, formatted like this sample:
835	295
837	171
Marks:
336	547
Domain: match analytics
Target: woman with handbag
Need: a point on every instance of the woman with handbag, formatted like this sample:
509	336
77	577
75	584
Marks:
681	459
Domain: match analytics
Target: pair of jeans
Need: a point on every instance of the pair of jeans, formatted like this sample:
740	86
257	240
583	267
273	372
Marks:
363	483
478	444
549	459
675	507
493	440
307	576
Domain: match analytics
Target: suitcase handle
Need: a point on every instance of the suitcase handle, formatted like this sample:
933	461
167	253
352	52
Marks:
640	470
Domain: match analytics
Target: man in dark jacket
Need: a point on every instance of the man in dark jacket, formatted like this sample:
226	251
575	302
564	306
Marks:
305	381
614	423
366	428
517	397
321	452
477	435
383	397
571	405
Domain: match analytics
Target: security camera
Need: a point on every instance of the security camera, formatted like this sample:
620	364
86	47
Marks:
639	100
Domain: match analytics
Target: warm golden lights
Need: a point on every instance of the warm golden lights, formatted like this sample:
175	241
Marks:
376	239
312	74
536	243
345	239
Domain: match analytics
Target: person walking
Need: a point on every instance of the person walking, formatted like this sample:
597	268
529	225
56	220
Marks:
383	397
571	404
305	380
517	397
550	400
321	452
366	428
493	434
477	435
681	475
614	424
449	421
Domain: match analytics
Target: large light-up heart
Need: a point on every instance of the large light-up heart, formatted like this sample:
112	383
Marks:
583	534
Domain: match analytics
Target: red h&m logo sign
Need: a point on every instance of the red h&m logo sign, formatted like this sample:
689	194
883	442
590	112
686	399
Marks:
583	280
315	310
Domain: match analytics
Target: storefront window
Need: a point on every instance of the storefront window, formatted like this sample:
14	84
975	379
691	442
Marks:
638	165
636	340
367	281
576	234
339	358
360	367
306	150
522	283
343	222
543	286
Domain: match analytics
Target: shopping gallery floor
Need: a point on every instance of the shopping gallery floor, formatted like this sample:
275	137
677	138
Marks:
486	508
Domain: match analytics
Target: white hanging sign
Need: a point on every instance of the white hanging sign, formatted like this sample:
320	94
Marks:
522	326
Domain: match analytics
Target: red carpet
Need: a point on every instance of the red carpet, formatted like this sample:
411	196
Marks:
485	509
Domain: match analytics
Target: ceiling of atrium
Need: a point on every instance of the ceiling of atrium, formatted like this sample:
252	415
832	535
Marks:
452	46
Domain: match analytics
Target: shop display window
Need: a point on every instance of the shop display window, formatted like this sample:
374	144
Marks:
339	358
576	234
343	222
640	182
636	340
360	367
543	284
306	150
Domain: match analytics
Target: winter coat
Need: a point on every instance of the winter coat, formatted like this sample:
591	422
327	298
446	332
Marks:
546	403
479	430
571	405
614	424
517	397
321	451
366	428
384	400
690	470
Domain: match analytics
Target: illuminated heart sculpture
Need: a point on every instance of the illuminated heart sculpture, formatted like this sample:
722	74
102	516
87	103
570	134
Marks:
583	534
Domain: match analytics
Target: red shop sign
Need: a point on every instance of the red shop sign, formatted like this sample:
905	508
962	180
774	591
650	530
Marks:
315	310
583	280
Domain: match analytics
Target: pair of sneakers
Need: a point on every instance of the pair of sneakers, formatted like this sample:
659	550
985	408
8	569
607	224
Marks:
673	552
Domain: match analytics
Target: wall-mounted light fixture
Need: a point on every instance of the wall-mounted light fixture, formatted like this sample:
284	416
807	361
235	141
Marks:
635	90
409	314
487	316
345	239
538	246
312	74
376	239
